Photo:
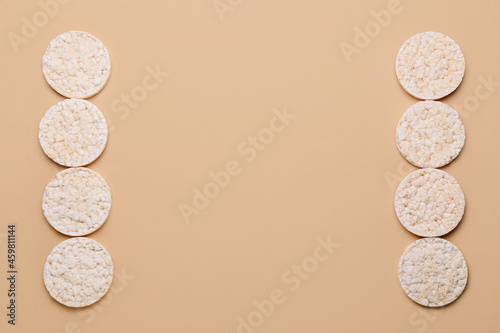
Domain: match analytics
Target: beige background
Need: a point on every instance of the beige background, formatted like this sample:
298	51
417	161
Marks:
332	171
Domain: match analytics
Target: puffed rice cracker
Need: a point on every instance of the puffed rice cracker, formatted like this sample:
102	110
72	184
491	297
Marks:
430	65
77	201
78	272
73	132
430	134
76	64
433	272
429	202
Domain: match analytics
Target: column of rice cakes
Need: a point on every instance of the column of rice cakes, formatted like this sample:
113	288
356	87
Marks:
73	133
429	202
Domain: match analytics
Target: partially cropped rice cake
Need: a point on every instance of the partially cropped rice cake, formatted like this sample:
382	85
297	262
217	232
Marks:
73	133
77	201
430	65
430	134
78	272
76	64
433	272
429	202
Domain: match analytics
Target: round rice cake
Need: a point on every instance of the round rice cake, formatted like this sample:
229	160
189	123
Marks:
77	201
429	202
430	65
433	272
73	133
78	272
430	134
76	64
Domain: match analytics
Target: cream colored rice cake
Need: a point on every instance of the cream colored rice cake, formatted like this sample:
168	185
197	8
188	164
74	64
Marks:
78	272
73	132
433	272
76	64
430	134
429	202
430	65
77	201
